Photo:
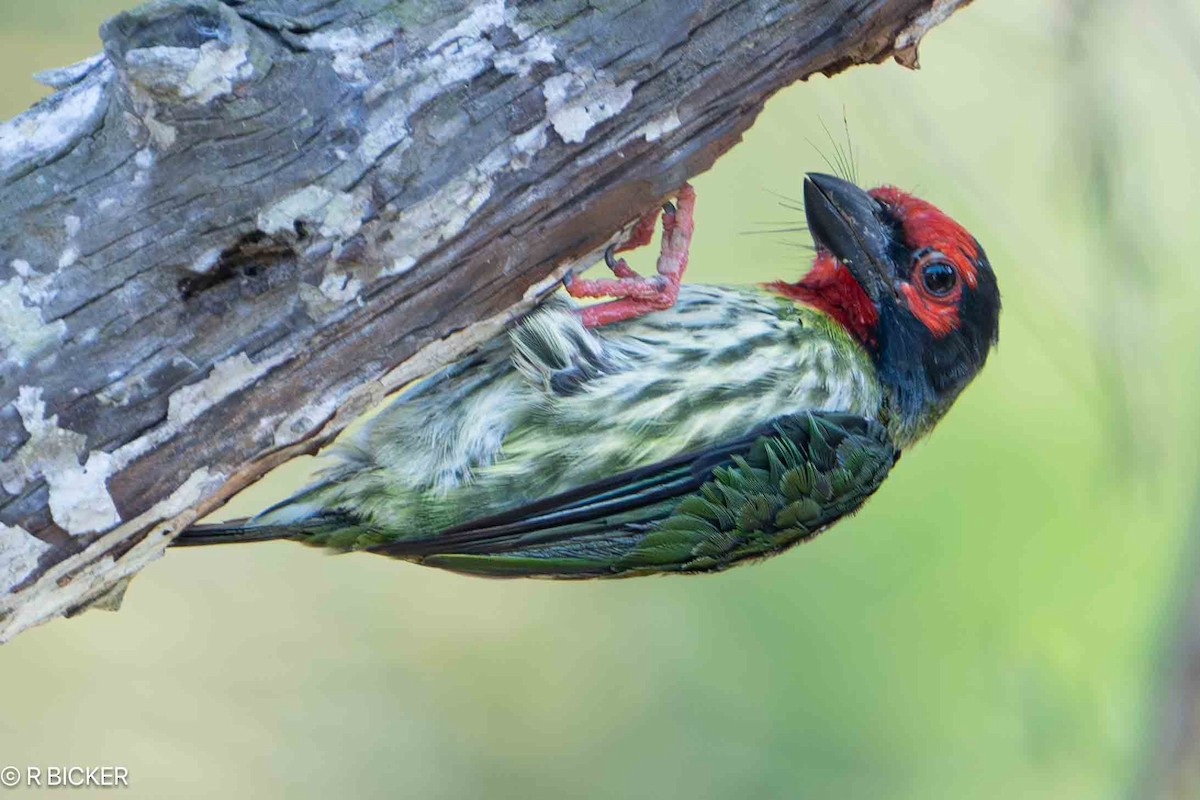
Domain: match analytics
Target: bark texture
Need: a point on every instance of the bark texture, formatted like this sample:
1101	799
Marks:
249	220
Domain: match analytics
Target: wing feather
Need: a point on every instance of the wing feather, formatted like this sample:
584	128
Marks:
745	498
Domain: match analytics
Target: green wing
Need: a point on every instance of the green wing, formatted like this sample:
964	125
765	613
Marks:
704	511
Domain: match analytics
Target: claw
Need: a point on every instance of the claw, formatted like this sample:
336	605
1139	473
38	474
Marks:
668	207
610	259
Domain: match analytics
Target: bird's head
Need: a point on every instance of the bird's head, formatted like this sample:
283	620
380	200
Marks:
909	283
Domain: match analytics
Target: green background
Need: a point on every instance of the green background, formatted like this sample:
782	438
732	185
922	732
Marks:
997	623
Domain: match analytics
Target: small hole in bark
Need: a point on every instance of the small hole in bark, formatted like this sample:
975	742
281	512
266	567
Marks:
253	255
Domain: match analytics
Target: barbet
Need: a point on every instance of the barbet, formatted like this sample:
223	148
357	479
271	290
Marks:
673	429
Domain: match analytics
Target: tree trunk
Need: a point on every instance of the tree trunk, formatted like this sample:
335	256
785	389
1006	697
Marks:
248	221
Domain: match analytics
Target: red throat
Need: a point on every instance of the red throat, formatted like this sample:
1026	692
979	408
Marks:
831	288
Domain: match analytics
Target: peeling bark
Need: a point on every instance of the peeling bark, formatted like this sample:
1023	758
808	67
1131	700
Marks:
248	221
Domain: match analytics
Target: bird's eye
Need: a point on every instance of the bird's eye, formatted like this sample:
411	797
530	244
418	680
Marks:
939	278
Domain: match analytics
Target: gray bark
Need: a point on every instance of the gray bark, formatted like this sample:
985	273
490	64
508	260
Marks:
248	221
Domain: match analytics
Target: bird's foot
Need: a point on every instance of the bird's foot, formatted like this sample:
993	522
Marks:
633	294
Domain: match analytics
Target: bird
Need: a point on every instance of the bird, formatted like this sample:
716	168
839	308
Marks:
676	427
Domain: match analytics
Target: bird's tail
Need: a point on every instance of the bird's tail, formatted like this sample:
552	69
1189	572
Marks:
234	531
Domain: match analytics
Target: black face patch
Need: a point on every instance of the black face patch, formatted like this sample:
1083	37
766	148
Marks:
953	360
926	371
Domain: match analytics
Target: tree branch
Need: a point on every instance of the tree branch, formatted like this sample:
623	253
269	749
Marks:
248	221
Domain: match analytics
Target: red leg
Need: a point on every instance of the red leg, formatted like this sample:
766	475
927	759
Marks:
641	234
636	295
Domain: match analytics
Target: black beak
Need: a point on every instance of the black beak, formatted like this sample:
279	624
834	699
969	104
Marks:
847	222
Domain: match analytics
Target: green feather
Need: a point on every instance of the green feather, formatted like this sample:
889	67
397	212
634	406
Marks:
729	427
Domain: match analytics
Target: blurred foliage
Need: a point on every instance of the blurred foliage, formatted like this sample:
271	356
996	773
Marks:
993	625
